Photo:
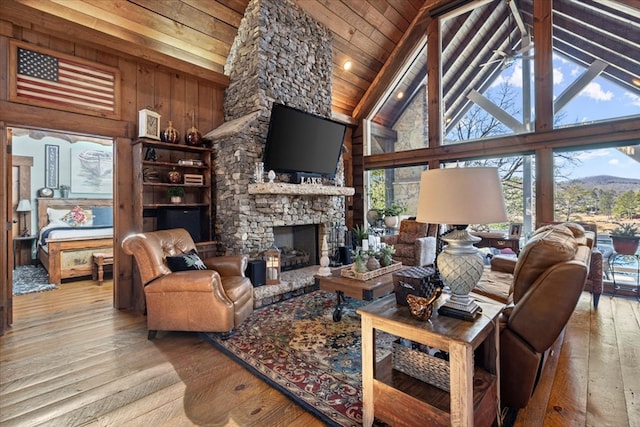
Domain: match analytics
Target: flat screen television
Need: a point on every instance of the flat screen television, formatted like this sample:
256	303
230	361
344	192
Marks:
300	142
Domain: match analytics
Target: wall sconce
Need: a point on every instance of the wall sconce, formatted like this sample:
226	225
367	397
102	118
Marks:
272	258
24	206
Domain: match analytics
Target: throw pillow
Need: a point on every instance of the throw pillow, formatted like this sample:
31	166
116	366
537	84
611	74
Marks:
184	262
102	215
55	217
78	217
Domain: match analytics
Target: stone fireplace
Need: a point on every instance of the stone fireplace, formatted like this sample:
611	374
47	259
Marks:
279	55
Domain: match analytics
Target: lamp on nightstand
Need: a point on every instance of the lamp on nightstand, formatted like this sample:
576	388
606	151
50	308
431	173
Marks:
24	206
461	196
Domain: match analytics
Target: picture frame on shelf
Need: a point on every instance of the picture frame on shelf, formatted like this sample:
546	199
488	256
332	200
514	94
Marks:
148	124
515	230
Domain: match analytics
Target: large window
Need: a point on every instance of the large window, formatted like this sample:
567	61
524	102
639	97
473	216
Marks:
487	71
595	64
600	186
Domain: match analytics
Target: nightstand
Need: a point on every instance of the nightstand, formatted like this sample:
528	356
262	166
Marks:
20	244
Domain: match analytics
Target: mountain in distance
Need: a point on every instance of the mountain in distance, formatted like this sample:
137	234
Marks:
606	183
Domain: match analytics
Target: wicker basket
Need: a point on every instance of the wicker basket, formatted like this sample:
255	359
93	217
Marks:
421	365
350	273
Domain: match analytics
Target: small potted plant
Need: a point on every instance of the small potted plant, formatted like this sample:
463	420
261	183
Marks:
359	263
386	255
392	213
625	238
360	234
175	194
64	191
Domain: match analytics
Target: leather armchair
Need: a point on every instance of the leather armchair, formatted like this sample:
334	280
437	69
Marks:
415	243
217	299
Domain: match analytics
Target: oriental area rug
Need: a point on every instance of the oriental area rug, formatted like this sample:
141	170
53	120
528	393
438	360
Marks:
296	347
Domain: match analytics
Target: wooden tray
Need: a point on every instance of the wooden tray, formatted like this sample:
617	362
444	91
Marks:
350	273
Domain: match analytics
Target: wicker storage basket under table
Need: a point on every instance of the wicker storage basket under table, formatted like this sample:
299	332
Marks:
418	364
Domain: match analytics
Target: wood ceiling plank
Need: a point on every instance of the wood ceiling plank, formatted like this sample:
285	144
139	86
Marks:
148	25
189	17
220	11
128	45
379	21
405	8
238	5
327	18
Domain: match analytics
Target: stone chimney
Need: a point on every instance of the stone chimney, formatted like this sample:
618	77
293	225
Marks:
279	55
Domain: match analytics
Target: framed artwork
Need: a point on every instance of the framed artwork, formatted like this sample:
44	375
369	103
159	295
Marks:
51	164
148	124
91	168
515	229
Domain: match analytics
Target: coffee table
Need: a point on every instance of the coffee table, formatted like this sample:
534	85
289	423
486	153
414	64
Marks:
366	290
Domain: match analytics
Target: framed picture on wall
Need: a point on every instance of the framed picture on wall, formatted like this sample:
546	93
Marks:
515	229
51	164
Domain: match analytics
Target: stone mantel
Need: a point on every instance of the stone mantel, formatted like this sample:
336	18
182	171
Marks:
300	189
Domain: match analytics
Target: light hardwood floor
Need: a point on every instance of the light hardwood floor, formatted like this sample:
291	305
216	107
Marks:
70	359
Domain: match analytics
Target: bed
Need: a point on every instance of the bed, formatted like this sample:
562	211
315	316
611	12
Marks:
64	250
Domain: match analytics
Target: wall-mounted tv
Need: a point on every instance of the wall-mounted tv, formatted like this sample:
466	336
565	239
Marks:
302	142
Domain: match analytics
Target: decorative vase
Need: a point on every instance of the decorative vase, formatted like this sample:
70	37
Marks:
170	134
372	217
373	263
391	221
193	137
359	265
174	176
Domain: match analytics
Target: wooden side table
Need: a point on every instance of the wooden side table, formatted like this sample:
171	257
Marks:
18	246
500	243
474	396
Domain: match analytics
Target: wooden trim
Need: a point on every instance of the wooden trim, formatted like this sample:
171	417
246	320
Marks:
15	97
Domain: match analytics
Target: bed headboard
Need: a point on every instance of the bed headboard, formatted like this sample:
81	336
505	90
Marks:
44	203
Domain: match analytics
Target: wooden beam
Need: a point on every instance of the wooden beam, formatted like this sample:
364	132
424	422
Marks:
543	65
544	185
580	83
621	132
434	84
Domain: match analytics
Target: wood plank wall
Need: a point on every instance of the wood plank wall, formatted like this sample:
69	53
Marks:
176	95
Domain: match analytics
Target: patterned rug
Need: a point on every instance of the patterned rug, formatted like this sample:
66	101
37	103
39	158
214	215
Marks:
30	278
297	348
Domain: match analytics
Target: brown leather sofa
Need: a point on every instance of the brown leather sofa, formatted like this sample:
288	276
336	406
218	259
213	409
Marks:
216	299
548	278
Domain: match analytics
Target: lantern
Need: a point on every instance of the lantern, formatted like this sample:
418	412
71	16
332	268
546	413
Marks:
272	258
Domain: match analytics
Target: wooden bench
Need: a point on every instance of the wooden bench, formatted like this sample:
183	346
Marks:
100	259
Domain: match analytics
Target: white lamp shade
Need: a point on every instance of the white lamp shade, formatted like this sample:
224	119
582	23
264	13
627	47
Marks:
24	205
461	196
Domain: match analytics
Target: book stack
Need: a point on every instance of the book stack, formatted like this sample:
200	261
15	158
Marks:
193	179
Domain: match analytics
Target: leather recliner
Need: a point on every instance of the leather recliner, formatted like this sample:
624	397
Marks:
548	278
217	299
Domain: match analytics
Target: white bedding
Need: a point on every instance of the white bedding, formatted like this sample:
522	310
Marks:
71	233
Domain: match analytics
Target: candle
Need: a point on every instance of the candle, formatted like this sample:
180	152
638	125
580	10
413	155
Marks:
365	245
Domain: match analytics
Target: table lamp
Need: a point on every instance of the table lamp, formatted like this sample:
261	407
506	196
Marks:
461	196
24	206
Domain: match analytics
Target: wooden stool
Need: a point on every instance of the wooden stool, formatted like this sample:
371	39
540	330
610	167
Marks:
100	259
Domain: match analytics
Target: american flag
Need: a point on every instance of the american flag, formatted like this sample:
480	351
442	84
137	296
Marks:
47	78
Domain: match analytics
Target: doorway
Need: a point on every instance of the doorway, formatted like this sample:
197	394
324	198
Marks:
65	172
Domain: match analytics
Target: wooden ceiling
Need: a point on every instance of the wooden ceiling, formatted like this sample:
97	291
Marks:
201	32
195	36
